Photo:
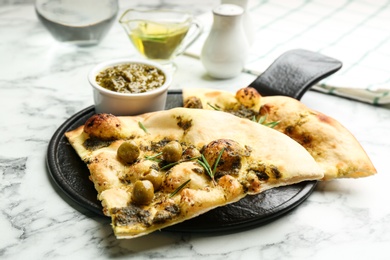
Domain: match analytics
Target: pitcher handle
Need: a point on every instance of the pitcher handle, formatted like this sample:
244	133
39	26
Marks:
195	31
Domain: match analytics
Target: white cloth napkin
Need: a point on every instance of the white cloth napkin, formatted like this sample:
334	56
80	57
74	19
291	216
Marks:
355	32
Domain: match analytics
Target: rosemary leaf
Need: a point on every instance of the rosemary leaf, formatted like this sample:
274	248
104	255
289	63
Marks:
154	157
206	167
272	124
169	165
174	163
262	119
217	161
213	107
142	127
179	188
211	172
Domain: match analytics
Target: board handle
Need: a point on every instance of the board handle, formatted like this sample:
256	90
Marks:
294	72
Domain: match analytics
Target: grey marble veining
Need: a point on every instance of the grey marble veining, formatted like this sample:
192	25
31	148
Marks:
42	83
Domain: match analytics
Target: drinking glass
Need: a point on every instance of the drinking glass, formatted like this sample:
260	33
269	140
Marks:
79	22
160	35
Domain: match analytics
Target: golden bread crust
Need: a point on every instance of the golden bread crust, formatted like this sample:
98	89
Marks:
333	147
253	158
330	143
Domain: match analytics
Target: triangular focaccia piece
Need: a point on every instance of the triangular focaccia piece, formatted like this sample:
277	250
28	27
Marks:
166	181
334	148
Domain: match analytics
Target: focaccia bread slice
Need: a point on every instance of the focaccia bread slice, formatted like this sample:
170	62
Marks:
334	148
158	169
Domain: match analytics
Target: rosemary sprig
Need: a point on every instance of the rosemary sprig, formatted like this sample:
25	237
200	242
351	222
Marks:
262	121
142	127
214	107
169	165
207	167
179	188
217	161
272	124
154	157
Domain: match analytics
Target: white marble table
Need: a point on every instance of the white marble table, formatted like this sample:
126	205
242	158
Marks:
43	83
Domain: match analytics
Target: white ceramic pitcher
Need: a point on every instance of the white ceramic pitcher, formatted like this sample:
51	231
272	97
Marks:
225	49
246	19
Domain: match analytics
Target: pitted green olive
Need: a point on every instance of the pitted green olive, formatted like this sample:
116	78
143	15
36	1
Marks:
172	152
143	192
154	177
128	152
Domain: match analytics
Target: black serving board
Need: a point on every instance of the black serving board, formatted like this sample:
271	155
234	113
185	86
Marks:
71	174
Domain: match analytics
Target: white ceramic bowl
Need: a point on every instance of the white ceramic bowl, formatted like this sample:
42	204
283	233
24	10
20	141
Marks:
124	104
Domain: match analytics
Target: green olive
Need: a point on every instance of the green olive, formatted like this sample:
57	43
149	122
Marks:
172	152
143	192
154	177
128	152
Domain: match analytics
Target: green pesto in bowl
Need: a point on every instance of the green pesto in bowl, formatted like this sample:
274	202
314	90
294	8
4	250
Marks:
131	78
